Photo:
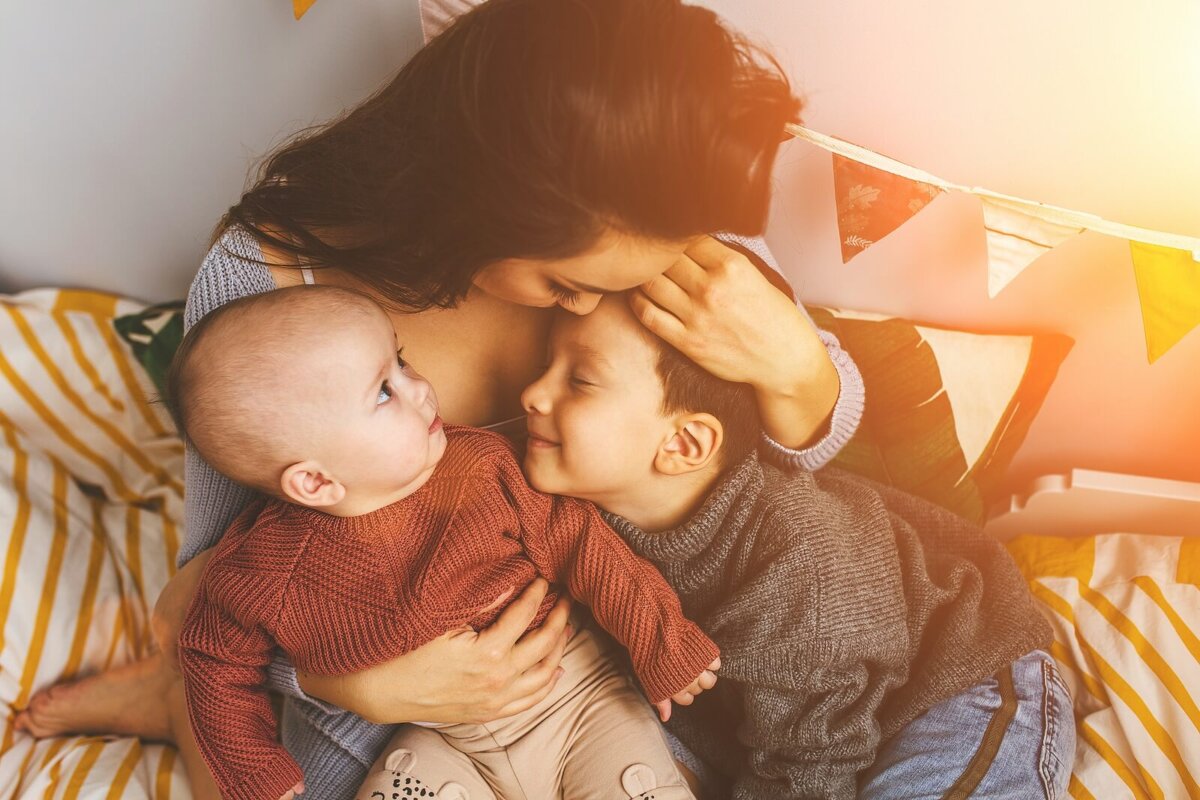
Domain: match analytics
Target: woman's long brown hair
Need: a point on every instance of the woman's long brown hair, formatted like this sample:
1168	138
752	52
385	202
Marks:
526	129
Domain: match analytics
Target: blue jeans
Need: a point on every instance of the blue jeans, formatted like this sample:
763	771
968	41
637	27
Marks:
1011	736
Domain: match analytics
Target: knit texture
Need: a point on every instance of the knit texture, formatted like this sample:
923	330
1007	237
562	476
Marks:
341	594
843	609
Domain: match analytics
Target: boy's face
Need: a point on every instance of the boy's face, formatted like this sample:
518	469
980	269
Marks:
381	429
594	415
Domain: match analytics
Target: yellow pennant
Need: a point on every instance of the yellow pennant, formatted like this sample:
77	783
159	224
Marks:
1168	282
299	7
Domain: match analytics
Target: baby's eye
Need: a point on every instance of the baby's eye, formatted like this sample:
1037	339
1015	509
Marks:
385	394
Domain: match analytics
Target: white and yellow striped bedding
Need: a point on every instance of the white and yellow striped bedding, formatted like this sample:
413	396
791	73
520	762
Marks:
81	566
1126	614
90	510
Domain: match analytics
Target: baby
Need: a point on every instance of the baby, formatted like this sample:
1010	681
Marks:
381	529
873	645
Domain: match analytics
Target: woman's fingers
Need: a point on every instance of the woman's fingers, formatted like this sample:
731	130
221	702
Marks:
512	622
668	295
657	320
547	641
500	600
688	272
530	700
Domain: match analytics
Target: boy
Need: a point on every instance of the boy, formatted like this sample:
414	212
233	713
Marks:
382	529
859	627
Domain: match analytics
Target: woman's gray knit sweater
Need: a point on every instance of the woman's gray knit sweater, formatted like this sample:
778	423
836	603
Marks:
332	746
843	610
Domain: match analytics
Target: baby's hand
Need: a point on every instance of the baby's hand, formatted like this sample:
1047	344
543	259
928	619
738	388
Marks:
686	696
291	793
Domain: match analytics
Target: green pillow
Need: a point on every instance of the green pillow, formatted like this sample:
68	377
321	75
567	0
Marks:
946	410
154	335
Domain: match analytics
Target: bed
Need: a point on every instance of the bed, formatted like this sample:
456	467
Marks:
91	510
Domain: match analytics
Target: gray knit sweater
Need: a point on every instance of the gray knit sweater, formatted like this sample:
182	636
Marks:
332	746
843	609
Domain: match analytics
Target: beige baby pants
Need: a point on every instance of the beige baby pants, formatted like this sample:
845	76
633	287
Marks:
594	737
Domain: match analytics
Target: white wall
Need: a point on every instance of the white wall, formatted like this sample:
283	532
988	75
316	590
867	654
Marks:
1090	105
128	127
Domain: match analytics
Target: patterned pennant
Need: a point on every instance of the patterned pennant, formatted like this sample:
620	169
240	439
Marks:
301	7
436	15
1016	237
1168	282
871	203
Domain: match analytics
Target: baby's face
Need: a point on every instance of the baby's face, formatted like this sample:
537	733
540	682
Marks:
594	416
379	430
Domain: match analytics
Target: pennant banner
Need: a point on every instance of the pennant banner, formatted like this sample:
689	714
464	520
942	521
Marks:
876	194
1016	237
436	15
300	7
871	203
1168	284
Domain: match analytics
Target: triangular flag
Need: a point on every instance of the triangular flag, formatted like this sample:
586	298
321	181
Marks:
871	203
300	7
1168	282
436	15
1016	236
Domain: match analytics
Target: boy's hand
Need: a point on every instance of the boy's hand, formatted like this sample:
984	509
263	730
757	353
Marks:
290	794
687	696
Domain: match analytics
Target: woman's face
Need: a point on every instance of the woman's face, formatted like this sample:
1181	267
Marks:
615	263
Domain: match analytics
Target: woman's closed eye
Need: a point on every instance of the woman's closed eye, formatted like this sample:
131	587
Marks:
563	295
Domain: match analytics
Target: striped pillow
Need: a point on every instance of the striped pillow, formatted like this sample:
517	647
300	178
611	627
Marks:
90	503
1126	614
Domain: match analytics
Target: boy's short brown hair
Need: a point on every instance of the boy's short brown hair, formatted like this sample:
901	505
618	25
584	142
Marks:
688	387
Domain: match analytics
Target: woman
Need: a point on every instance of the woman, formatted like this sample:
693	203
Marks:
537	153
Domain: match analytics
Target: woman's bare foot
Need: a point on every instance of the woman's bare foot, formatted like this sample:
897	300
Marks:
129	701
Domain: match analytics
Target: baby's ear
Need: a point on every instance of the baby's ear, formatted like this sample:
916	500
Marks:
308	484
692	445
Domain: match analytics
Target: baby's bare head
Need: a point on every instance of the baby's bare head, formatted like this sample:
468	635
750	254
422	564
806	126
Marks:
250	385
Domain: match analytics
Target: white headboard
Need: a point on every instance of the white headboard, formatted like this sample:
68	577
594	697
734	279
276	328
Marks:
1085	502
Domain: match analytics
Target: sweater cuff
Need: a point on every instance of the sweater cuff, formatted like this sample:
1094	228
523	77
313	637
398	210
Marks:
843	422
674	669
269	782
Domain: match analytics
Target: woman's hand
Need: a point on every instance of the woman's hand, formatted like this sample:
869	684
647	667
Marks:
462	676
715	307
167	620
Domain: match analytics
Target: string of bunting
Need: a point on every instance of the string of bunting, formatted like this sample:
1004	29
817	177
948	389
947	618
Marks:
876	194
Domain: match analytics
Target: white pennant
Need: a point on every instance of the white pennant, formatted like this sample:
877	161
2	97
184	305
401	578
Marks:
1017	234
436	15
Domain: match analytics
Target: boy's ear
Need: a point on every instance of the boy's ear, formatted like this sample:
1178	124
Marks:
693	445
308	484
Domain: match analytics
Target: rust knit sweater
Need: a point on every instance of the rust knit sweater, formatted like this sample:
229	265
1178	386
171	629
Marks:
340	594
